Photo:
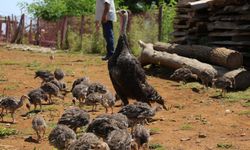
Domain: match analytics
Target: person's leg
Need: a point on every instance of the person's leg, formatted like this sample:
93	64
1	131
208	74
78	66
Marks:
109	37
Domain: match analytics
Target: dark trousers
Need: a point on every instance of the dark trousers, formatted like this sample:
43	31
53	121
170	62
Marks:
108	34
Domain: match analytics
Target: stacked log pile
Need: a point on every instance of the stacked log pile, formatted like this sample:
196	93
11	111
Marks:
216	62
216	22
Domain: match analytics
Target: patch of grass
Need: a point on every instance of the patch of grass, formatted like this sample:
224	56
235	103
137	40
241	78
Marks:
3	78
33	65
224	145
7	132
246	104
186	127
245	112
9	63
192	85
50	108
155	130
52	125
156	146
236	96
11	87
70	72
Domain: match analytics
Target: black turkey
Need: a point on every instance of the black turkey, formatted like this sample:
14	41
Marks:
127	75
45	75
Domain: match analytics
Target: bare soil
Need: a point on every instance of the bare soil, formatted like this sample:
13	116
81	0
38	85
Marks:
196	121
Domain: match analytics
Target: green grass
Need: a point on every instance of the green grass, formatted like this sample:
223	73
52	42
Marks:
245	112
156	146
9	63
246	104
50	108
7	132
186	127
192	85
33	65
236	96
52	125
224	145
155	130
11	87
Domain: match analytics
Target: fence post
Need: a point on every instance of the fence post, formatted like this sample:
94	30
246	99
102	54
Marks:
30	33
37	35
64	32
7	29
18	36
81	30
160	23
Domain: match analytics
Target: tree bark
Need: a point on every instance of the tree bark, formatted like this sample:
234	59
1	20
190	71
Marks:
218	56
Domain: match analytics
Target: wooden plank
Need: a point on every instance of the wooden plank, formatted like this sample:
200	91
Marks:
176	33
245	17
202	4
244	9
227	25
228	33
231	43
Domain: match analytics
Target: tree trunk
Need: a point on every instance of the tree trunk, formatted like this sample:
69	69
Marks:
18	36
174	61
240	77
219	56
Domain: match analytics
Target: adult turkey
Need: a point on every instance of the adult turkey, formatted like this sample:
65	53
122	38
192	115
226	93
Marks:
127	75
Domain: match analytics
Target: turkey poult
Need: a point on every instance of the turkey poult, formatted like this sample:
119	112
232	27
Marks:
183	74
39	125
11	104
88	141
79	92
206	78
141	136
138	112
222	83
93	99
59	74
51	89
127	75
74	118
97	87
119	140
108	101
61	137
122	120
103	126
83	81
45	75
36	96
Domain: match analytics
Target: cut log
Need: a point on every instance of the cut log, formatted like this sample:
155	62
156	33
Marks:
200	4
219	56
240	78
174	61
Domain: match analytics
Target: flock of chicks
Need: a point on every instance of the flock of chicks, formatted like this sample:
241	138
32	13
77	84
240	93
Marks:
184	74
106	131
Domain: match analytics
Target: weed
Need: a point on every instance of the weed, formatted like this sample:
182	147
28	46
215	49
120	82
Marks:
33	65
236	96
246	104
155	130
156	146
186	127
9	63
50	108
7	132
11	87
224	146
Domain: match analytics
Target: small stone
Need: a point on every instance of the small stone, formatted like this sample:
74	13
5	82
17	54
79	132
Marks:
197	141
202	135
162	119
228	111
185	139
8	125
243	134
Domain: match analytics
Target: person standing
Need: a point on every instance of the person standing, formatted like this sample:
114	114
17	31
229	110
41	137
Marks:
106	15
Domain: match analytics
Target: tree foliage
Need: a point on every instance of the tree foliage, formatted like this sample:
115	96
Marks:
56	9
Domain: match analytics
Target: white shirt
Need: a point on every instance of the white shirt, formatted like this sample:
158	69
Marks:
100	8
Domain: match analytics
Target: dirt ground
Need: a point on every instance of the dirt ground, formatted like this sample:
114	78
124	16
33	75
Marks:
196	121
